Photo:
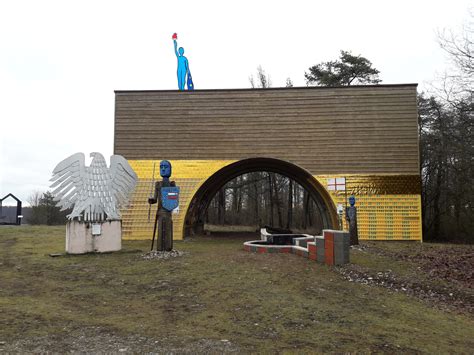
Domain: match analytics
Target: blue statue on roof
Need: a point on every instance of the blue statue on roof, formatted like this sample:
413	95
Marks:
184	74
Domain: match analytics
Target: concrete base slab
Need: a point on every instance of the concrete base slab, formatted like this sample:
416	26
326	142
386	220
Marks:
86	237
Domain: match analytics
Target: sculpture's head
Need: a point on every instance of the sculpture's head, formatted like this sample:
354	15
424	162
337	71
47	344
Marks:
97	158
165	168
181	50
352	200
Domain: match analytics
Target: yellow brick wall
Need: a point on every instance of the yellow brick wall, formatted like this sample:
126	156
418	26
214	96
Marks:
387	217
189	175
388	207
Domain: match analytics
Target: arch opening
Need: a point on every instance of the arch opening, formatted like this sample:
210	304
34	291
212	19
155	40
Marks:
196	214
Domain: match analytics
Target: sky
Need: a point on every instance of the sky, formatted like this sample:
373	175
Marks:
60	61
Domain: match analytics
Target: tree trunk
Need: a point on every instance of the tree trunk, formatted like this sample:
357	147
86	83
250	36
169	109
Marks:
436	203
270	191
235	191
289	220
221	206
310	213
277	201
257	200
305	209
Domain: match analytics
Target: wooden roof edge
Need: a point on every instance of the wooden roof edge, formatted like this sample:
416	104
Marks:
274	89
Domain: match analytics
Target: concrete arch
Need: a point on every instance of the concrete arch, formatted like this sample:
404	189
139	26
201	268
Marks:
194	217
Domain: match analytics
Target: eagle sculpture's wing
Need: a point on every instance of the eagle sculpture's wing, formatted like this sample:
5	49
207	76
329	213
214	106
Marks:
68	178
123	179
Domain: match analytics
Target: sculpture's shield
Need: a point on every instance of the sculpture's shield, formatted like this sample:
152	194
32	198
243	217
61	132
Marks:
170	197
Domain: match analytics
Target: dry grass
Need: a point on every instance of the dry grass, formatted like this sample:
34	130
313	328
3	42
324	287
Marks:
215	298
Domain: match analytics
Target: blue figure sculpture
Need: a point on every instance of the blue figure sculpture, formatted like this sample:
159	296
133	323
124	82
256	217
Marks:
165	169
184	75
352	200
351	218
166	194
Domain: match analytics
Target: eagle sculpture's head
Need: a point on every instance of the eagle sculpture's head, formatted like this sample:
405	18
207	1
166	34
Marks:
98	159
96	154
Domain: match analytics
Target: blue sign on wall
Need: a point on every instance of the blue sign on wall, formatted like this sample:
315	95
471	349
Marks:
170	197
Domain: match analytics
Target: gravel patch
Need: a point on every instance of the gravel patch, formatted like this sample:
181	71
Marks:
103	340
162	254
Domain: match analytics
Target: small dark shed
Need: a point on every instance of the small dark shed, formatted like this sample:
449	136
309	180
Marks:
7	218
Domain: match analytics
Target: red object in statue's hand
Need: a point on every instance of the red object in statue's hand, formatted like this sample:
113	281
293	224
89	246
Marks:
175	36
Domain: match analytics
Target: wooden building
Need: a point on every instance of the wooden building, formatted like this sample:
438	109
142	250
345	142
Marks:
367	134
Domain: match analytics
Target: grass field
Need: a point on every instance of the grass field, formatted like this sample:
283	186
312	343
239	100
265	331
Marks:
219	298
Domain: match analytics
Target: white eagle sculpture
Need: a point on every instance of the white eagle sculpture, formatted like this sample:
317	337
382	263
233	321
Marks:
95	193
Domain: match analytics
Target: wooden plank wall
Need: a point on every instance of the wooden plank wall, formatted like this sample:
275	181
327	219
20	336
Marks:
350	130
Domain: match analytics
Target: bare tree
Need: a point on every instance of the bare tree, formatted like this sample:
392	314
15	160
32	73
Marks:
447	167
459	48
458	81
252	81
262	81
34	198
446	122
265	198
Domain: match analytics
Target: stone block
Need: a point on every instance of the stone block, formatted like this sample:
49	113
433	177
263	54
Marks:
320	254
340	258
328	247
341	248
80	239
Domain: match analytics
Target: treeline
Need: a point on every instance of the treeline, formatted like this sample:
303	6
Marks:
265	198
447	167
447	144
44	210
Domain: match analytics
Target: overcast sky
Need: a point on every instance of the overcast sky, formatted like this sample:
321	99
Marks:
60	61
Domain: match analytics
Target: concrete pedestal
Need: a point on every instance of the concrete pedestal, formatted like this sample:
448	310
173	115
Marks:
83	237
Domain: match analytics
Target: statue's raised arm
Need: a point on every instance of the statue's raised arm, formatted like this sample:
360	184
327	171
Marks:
176	47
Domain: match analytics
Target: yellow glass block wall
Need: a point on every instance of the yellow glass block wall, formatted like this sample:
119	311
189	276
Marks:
189	175
388	206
